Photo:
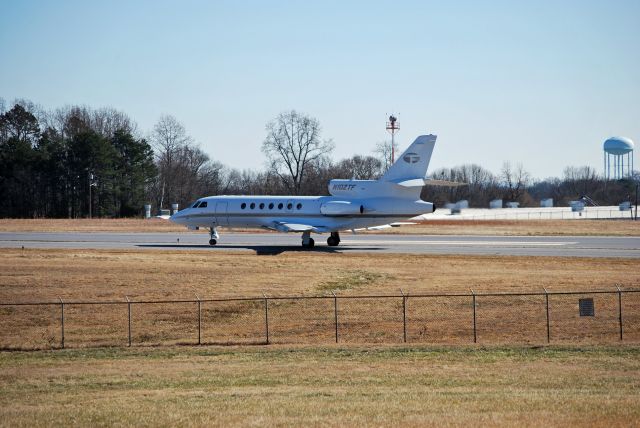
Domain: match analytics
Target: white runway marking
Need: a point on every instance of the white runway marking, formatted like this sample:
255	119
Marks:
461	243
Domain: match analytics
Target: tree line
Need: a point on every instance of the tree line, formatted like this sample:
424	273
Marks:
76	161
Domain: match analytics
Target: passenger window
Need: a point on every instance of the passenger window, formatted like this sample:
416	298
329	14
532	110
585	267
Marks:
243	206
252	206
289	205
280	206
299	206
203	205
271	206
261	206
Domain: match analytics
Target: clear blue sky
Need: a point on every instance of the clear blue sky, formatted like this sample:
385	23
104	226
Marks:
542	83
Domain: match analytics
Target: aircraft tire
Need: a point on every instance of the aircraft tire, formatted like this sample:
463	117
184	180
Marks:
332	241
310	244
212	242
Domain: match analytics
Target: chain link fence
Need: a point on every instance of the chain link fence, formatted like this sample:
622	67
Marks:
604	316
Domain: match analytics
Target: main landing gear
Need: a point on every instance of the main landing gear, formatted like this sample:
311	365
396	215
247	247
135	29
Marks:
334	239
213	236
307	240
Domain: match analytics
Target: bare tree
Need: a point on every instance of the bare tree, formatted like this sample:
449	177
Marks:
360	168
169	138
384	152
481	185
292	144
582	180
106	121
515	181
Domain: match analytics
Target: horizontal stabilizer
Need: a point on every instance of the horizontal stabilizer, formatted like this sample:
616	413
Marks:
419	182
413	182
444	183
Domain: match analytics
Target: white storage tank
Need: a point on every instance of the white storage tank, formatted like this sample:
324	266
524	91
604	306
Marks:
625	206
463	204
496	203
577	206
455	209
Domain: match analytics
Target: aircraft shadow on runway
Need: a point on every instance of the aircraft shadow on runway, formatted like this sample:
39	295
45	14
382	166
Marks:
266	250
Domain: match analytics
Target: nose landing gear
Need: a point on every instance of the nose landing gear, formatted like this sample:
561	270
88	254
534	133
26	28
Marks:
307	240
213	236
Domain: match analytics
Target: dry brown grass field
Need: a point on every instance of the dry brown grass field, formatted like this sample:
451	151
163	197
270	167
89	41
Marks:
110	275
77	274
303	378
328	386
430	227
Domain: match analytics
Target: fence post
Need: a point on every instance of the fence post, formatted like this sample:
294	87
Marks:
546	301
404	316
620	309
266	316
61	322
129	318
335	313
475	332
199	319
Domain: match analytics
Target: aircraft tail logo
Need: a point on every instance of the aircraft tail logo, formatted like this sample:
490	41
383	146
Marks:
413	163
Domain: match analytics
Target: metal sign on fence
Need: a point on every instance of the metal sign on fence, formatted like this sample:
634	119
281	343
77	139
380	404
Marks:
586	306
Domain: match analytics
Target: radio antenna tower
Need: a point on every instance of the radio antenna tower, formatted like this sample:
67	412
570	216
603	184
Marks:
393	126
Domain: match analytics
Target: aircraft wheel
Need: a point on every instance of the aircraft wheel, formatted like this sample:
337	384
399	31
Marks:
332	241
212	242
310	244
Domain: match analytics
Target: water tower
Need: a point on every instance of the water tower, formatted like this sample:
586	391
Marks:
618	158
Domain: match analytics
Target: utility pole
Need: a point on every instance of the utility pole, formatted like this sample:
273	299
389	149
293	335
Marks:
91	184
393	126
636	216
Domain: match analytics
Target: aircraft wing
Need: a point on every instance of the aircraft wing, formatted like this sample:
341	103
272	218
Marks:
295	227
384	226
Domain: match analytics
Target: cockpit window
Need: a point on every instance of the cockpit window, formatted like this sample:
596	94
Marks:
203	204
195	205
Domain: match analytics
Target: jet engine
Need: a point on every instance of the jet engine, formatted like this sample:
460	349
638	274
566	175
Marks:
338	208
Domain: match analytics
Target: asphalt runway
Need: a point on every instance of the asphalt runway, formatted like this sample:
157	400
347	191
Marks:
276	243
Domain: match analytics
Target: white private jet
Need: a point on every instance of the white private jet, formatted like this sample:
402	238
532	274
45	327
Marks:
353	204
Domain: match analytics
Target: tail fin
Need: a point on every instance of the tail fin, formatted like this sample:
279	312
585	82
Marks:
413	163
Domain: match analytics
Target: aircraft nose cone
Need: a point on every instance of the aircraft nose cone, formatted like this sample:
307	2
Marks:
176	218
